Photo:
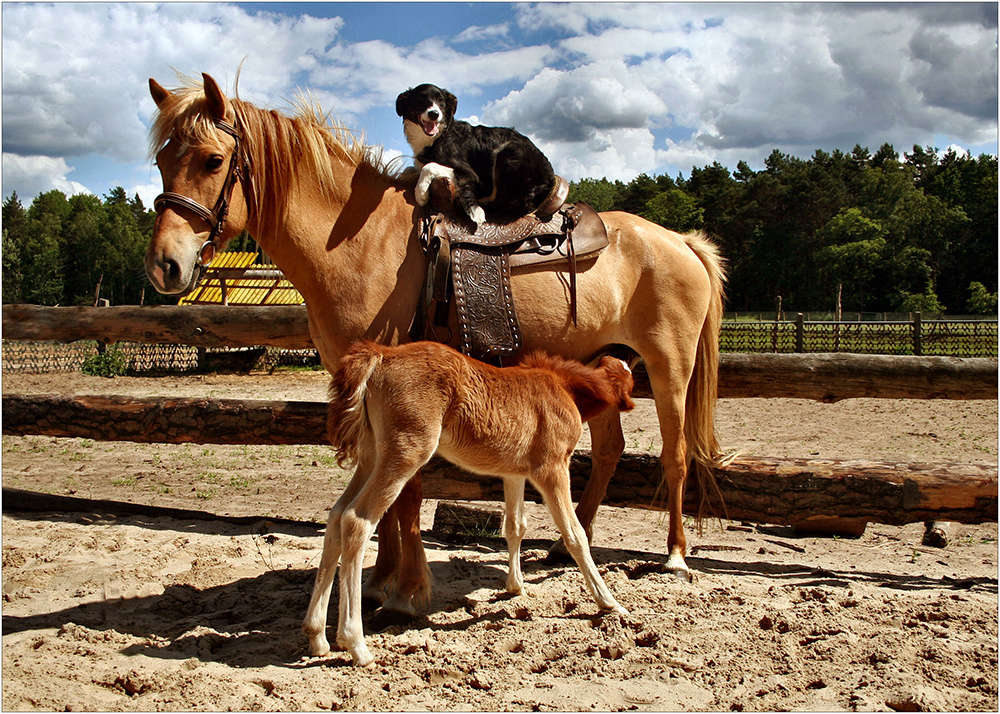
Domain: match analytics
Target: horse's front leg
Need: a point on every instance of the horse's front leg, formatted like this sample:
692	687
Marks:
387	562
553	484
607	444
414	582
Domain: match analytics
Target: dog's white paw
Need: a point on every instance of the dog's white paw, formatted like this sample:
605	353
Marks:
478	215
421	193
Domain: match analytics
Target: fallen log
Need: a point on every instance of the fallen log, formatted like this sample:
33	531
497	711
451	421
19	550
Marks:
826	377
830	377
779	491
163	420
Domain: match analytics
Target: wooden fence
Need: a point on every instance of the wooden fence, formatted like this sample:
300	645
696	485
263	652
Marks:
783	491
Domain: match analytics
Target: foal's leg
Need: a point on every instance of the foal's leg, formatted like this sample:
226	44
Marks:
554	487
515	523
314	625
356	526
607	444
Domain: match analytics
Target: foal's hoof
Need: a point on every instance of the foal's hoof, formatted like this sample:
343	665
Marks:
386	618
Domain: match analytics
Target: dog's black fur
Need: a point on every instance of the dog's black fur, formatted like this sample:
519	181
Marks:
495	167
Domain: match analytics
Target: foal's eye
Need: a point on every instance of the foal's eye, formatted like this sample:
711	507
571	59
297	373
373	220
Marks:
214	163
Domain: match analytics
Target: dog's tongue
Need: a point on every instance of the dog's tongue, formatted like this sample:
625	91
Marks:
431	128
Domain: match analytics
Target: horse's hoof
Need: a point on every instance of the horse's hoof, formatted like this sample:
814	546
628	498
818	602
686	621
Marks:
558	555
677	566
386	618
370	603
682	574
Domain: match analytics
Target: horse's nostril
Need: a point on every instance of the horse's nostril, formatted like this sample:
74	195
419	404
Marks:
171	269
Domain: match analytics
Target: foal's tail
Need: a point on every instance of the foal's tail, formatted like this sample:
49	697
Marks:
347	416
704	451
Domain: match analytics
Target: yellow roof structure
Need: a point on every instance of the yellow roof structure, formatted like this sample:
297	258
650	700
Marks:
234	279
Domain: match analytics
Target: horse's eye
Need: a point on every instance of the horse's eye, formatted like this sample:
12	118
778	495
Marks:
214	163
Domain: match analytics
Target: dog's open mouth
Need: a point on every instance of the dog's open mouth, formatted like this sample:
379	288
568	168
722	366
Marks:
431	128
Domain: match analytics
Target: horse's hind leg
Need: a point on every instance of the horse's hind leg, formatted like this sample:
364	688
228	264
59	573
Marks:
607	444
515	524
554	487
670	410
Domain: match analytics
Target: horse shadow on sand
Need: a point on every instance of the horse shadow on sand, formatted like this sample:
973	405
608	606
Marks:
255	621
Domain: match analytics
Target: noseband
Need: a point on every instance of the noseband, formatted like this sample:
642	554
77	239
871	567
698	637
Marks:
215	217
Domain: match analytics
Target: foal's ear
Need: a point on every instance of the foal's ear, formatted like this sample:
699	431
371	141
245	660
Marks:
217	102
160	95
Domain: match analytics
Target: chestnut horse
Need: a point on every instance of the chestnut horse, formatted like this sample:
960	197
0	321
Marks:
393	408
342	228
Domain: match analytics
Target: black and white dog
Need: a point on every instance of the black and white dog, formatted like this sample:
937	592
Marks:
491	166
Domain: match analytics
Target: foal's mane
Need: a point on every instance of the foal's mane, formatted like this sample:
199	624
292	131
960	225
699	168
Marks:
279	149
592	389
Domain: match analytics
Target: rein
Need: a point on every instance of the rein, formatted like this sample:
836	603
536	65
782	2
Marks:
215	217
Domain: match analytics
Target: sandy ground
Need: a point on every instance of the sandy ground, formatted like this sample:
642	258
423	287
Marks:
156	613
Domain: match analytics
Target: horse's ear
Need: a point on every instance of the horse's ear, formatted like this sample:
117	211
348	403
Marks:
217	101
160	95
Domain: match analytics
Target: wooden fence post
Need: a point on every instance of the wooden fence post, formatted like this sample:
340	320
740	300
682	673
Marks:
800	333
918	336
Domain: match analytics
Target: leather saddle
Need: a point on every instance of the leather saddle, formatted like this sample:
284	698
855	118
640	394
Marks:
472	264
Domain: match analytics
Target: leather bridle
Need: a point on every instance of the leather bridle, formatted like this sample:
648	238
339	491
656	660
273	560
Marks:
215	217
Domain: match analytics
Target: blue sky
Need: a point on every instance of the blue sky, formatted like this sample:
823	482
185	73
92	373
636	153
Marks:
606	90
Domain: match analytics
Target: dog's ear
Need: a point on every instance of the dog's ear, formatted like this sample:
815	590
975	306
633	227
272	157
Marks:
401	102
450	103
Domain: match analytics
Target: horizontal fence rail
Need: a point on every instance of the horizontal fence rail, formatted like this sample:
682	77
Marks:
824	377
767	490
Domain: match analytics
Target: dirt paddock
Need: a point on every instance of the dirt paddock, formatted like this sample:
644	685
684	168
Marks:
141	613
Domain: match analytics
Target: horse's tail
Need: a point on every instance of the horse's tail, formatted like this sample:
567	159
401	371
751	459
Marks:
704	452
347	417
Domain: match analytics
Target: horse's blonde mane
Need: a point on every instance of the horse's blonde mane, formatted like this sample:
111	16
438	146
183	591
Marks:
280	149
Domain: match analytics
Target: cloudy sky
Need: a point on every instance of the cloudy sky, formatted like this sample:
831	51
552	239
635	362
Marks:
606	90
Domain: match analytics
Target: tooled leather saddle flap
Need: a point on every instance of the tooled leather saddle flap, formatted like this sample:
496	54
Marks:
479	261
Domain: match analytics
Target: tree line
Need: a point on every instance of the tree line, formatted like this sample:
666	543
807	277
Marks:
867	232
862	231
77	250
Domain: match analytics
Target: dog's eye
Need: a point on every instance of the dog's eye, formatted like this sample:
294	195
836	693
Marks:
214	163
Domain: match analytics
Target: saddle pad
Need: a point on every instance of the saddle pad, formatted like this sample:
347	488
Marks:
483	301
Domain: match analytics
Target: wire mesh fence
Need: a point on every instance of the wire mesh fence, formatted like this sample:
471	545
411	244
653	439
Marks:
954	338
950	338
41	357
